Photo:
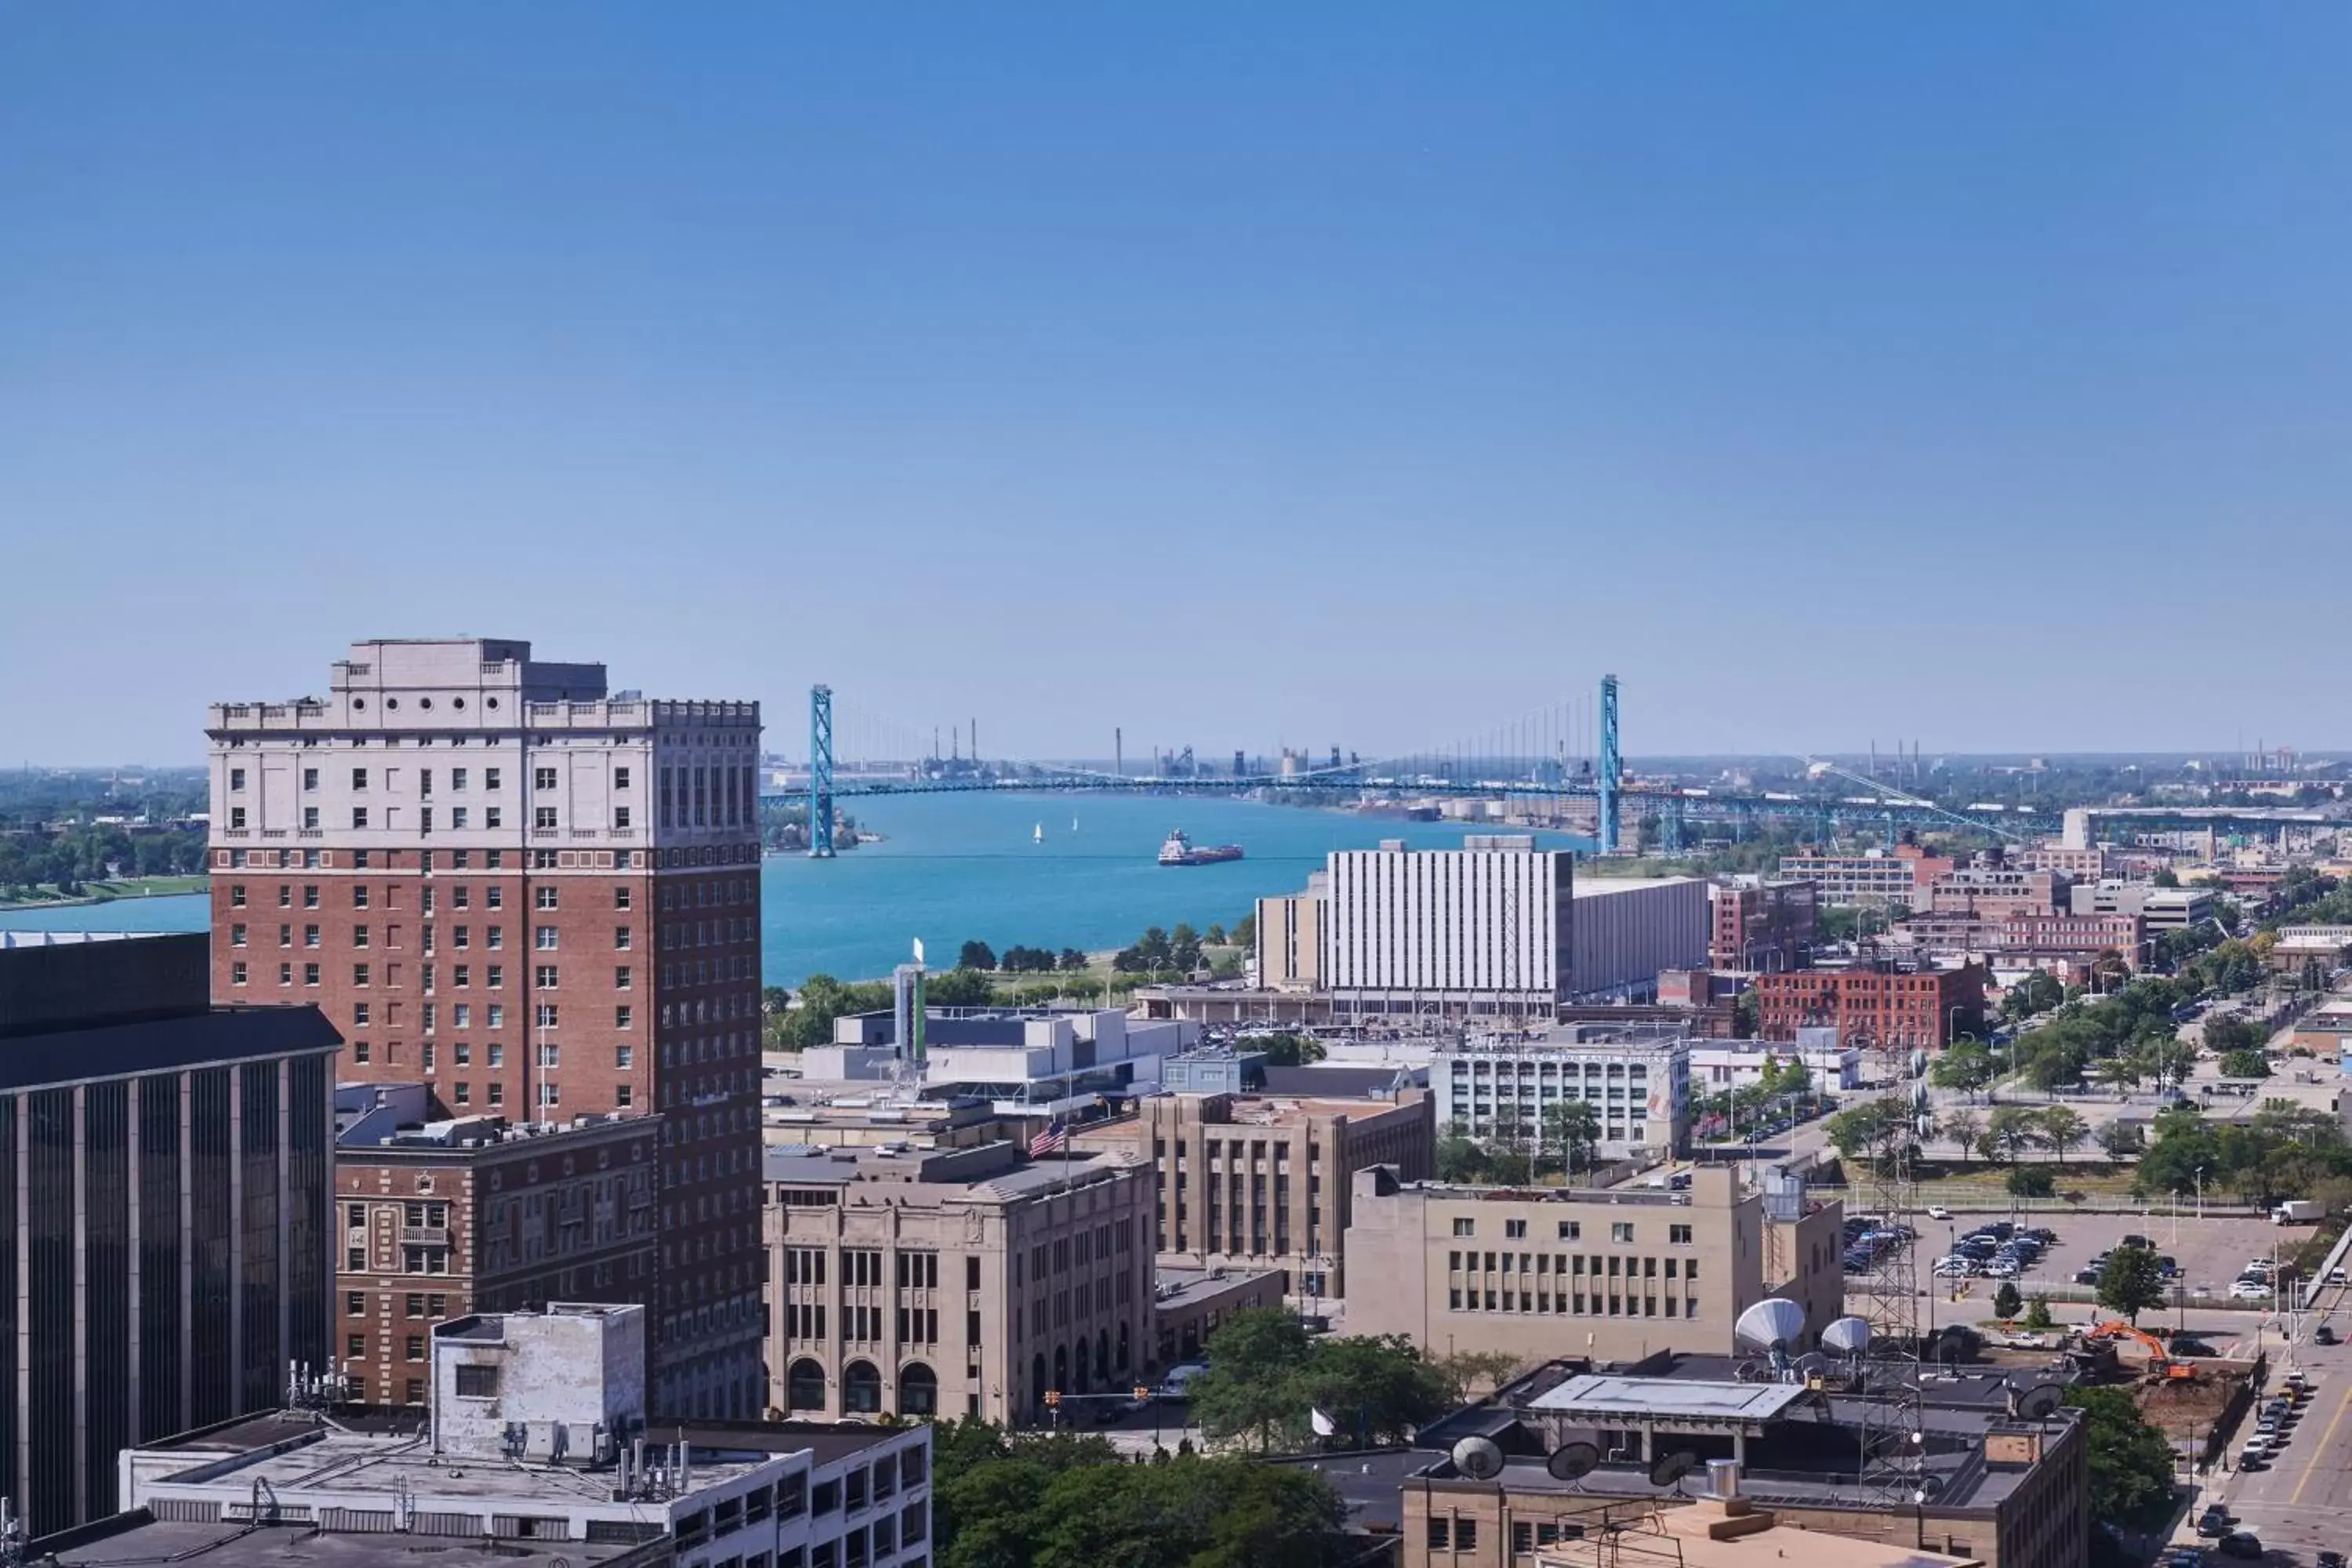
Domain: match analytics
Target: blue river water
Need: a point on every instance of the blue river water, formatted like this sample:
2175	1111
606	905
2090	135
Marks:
952	867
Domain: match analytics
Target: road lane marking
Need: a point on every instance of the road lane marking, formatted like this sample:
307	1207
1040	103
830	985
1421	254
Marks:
2327	1439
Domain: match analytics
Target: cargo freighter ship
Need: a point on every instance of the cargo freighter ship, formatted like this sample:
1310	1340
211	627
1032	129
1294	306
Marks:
1180	851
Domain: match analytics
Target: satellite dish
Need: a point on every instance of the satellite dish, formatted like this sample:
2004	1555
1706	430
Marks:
1812	1363
1772	1324
2038	1403
1670	1470
1847	1336
1478	1458
1751	1372
1930	1488
1571	1460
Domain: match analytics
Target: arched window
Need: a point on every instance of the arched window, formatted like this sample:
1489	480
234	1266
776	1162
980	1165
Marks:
918	1390
804	1386
861	1389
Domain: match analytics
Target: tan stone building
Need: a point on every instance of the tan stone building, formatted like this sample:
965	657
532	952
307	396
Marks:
434	1223
1261	1181
1611	1275
2004	1491
954	1282
1289	932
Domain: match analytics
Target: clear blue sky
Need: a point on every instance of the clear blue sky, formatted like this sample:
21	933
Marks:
1241	374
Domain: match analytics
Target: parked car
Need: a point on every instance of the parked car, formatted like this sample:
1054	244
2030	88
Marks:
2087	1276
2214	1521
2329	1560
2135	1240
2323	1335
2337	1277
2240	1543
1937	1211
2248	1290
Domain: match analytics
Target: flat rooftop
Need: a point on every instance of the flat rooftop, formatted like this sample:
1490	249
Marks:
228	1543
1180	1288
1595	887
1604	1397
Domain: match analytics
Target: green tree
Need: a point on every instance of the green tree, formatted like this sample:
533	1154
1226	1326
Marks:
2231	1033
1072	961
2030	1181
2245	1064
2037	992
2062	1131
2011	1130
2119	1073
1251	1390
1964	1128
2037	1313
976	955
1966	1067
1289	1050
2165	877
1376	1390
1183	948
1872	1132
2006	1301
1215	935
1458	1157
2131	1463
1469	1373
2132	1282
1571	1129
1156	949
1245	931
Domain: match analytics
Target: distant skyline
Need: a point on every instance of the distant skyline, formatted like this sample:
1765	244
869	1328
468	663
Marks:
1238	375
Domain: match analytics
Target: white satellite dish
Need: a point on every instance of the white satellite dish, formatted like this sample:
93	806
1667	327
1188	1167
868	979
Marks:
1847	1336
1478	1458
1571	1461
1772	1324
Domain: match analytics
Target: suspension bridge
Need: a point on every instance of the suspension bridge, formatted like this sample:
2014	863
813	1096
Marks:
1560	766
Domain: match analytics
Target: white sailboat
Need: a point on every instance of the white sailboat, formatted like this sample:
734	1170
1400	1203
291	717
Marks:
1074	825
1038	836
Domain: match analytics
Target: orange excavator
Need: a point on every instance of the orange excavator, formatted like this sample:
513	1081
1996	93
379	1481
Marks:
2160	1363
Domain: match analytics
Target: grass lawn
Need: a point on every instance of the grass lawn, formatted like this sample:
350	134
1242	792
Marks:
47	895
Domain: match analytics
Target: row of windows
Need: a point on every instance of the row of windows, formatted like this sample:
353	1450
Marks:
1619	1231
458	778
1580	1303
1567	1263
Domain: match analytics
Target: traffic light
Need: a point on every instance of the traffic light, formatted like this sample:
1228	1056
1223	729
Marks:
1053	1398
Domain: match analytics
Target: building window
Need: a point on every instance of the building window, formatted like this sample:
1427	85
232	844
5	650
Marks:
621	939
545	938
620	816
621	977
542	778
1465	1227
1620	1231
622	1018
1678	1235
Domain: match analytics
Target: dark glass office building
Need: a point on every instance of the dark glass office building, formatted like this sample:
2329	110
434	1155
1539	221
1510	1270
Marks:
166	1170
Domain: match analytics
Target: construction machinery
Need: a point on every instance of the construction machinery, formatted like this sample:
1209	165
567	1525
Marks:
2161	1363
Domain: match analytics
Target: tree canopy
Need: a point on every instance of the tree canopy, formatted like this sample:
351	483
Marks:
1003	1500
1266	1375
2132	1282
2131	1463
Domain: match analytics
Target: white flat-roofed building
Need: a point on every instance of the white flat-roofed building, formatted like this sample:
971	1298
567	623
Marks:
538	1452
1636	1078
1719	1065
1482	929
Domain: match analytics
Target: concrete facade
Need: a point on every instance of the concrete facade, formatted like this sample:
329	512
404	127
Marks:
1188	1305
1249	1183
1482	929
1636	1078
1613	1275
966	1282
1877	878
1289	942
539	898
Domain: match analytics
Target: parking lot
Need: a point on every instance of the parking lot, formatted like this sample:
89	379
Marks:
2209	1253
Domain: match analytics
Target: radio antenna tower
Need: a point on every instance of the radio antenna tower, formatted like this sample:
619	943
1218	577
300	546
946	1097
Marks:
1890	1470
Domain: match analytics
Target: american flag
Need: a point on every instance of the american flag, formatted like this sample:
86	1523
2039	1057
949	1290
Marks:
1056	1136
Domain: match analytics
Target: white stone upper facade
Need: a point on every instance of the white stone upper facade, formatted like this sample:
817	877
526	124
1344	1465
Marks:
471	743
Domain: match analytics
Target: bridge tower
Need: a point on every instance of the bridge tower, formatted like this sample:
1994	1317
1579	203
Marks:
1609	767
820	823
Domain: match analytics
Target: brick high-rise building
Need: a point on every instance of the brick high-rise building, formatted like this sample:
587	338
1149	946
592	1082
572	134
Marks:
541	899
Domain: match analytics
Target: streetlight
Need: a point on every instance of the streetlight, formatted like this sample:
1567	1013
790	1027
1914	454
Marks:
2201	1192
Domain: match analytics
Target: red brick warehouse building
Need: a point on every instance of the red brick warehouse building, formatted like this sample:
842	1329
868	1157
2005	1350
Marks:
1882	1007
538	897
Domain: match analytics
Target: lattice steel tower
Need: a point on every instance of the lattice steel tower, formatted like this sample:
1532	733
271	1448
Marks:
820	823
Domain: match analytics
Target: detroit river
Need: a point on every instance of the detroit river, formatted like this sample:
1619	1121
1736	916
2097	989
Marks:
953	866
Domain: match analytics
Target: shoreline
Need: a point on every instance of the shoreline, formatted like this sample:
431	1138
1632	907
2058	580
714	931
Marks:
86	900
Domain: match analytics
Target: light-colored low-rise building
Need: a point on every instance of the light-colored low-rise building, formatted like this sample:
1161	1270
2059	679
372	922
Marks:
1611	1274
1635	1077
1260	1181
1717	1065
1188	1305
954	1282
2161	908
538	1452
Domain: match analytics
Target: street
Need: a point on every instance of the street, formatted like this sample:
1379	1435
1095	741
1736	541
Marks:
2300	1503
